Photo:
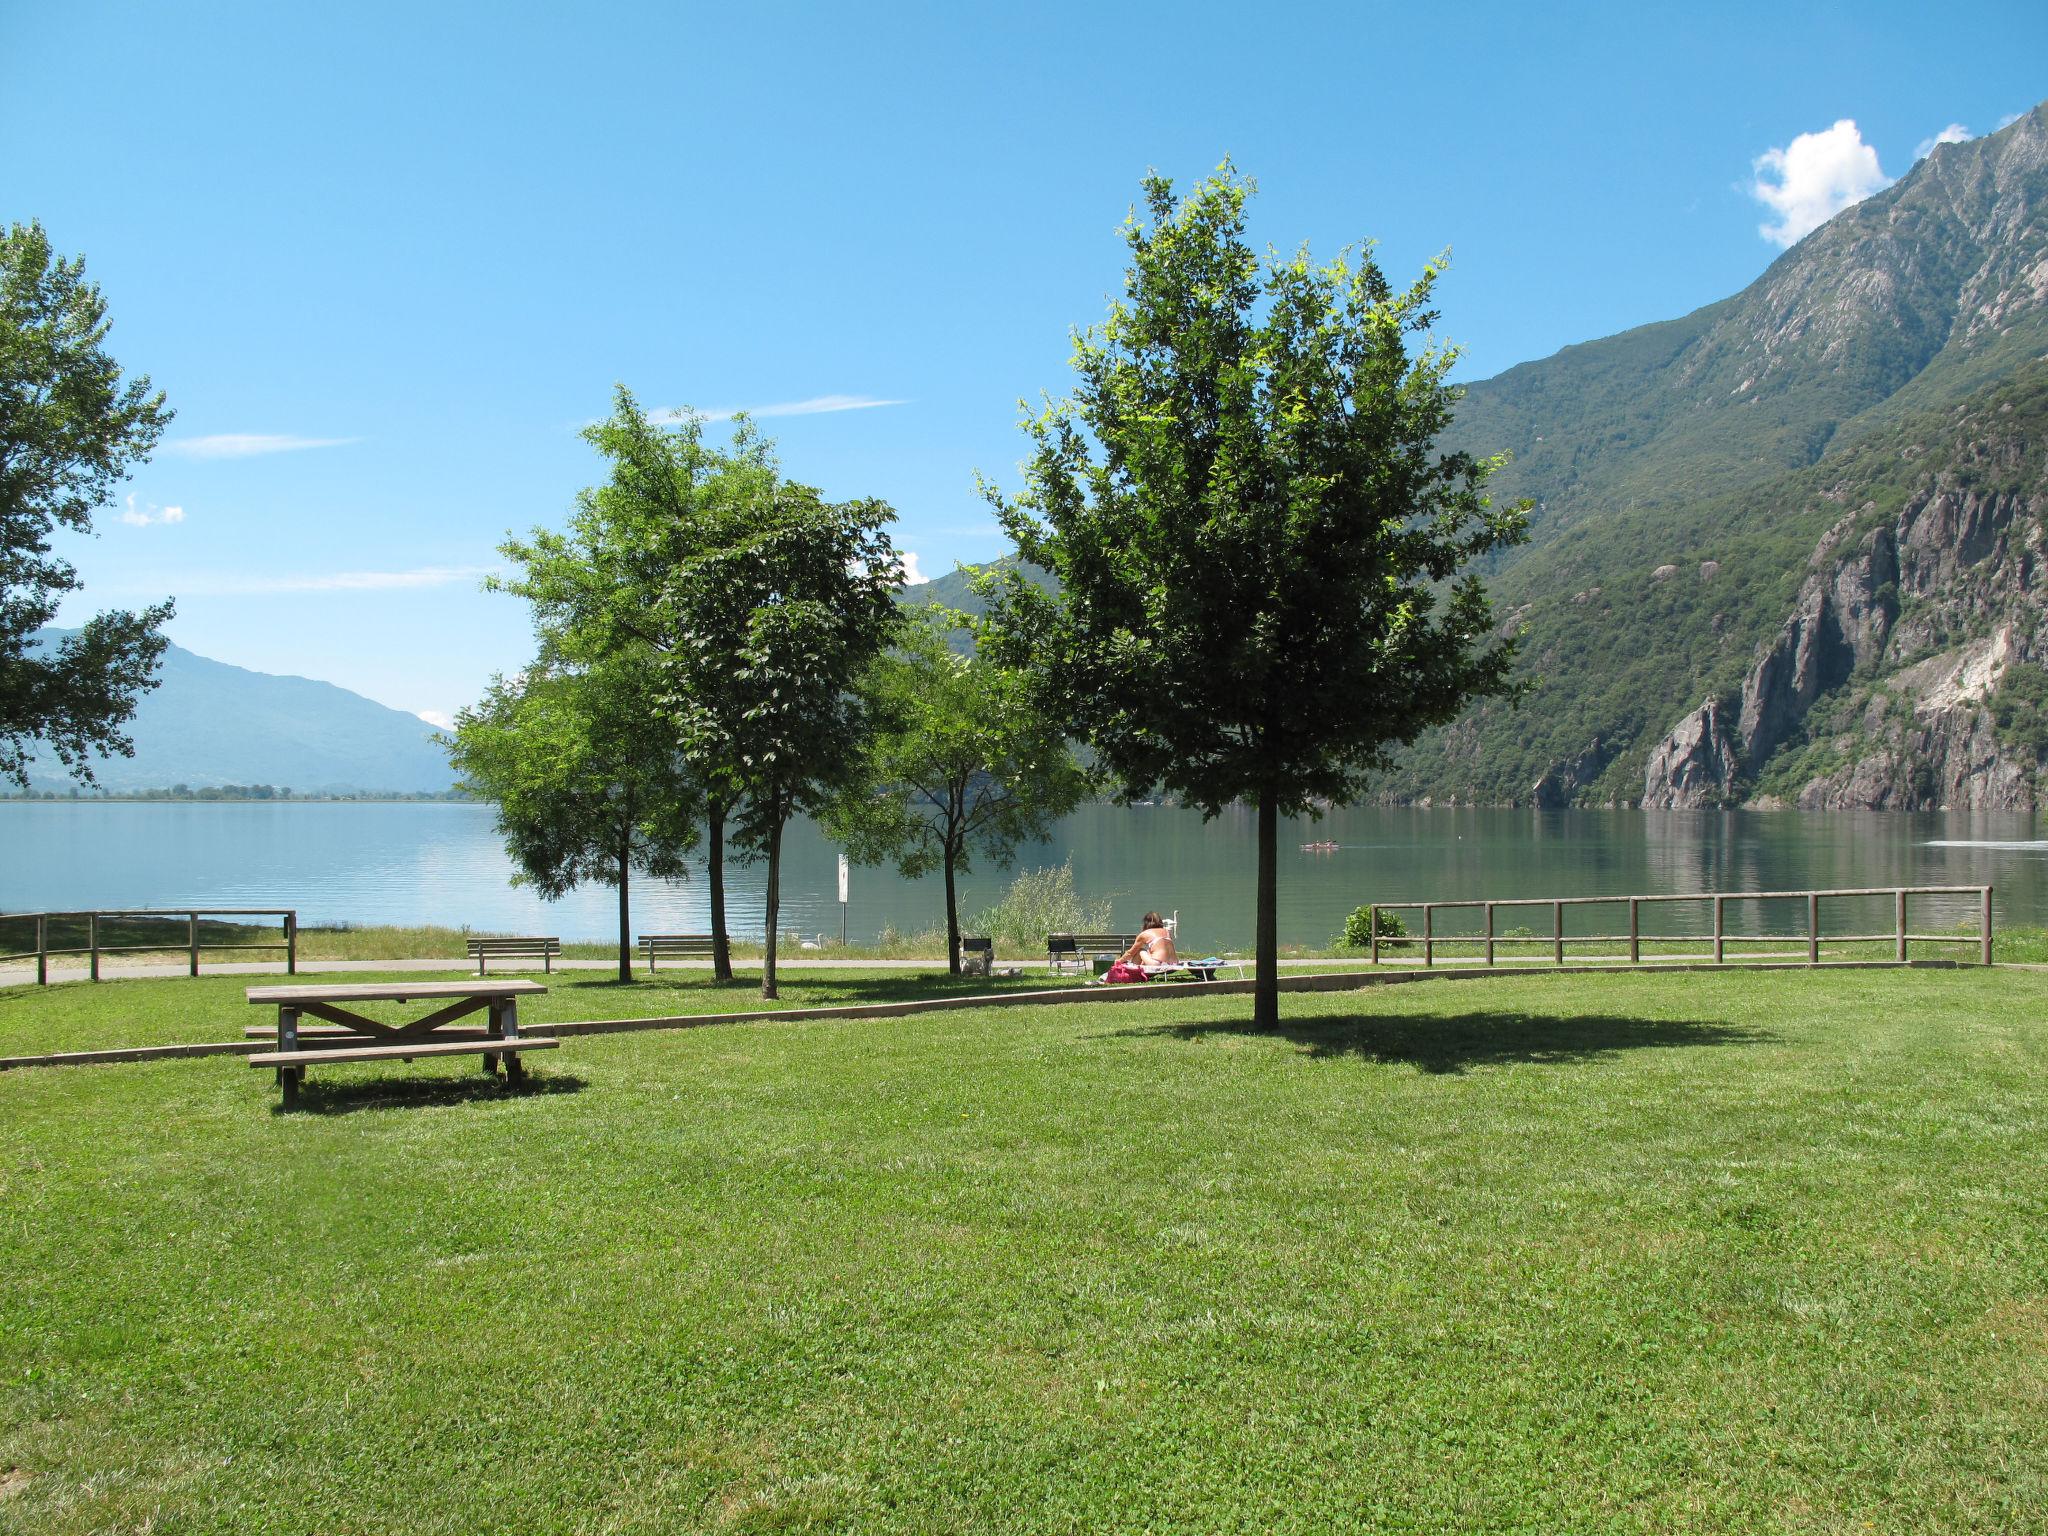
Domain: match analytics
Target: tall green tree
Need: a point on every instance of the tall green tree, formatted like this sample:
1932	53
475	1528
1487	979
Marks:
623	578
70	431
808	590
962	764
584	791
1258	545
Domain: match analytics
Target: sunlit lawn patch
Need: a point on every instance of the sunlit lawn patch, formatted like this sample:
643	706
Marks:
1693	1252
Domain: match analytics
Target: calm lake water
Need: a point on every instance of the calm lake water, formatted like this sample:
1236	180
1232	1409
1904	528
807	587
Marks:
438	863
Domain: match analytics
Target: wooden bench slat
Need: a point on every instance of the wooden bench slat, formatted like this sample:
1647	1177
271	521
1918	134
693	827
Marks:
324	1057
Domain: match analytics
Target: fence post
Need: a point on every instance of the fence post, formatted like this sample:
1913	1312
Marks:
1899	924
1372	922
42	949
1813	927
1984	926
291	943
1557	931
1489	933
92	941
1428	934
192	937
1720	928
1635	931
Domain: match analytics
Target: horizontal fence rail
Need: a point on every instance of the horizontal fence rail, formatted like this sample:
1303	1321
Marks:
1489	938
164	936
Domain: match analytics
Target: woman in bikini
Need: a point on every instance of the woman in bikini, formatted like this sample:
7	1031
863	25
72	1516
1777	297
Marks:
1152	946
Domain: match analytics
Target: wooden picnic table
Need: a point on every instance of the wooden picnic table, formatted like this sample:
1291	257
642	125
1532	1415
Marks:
347	1035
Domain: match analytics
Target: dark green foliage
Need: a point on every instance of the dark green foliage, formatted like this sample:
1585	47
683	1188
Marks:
1363	922
1257	544
70	431
2020	706
583	790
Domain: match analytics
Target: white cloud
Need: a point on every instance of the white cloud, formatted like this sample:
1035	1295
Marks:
2008	120
1954	133
333	581
817	405
150	513
249	445
440	719
912	576
1814	178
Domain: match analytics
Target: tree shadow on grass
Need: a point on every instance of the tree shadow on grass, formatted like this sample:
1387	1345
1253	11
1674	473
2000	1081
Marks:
1459	1042
339	1096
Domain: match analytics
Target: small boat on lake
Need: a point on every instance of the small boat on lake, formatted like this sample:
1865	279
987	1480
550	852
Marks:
1318	847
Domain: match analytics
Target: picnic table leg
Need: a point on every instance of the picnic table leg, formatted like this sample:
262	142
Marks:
493	1028
288	1040
515	1070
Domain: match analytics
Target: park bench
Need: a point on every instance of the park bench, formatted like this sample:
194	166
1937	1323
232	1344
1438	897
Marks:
546	950
677	946
1073	951
350	1036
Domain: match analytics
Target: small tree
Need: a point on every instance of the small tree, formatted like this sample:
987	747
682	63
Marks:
962	764
584	791
1256	542
625	579
70	431
809	593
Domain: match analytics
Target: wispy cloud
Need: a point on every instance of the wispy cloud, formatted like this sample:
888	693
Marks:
2008	120
249	445
440	719
331	581
1814	178
1954	133
817	405
149	514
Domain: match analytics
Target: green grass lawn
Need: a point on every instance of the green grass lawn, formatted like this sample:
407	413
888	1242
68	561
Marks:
1713	1253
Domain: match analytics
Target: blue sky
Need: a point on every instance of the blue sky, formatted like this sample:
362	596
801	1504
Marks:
386	260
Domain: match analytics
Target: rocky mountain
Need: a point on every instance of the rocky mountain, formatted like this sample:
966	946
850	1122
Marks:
209	724
1780	503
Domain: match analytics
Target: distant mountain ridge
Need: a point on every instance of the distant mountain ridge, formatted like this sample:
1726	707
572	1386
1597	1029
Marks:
208	724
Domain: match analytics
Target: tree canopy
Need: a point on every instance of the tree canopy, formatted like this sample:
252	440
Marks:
70	431
1257	544
962	764
584	791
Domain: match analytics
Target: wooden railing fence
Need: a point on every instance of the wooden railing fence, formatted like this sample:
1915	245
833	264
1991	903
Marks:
191	942
1490	938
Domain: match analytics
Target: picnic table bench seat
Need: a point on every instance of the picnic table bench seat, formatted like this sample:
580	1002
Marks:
684	946
546	949
1071	951
326	1055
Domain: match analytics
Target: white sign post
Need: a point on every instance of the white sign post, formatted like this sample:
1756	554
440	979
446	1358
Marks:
842	901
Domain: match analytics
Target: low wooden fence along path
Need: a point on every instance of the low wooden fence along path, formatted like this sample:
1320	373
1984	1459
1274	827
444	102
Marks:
1898	936
165	938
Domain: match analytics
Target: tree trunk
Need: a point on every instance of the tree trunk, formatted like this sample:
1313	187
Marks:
1266	985
625	906
774	907
952	915
721	947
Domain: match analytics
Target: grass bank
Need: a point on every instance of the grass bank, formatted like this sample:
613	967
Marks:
1620	1253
